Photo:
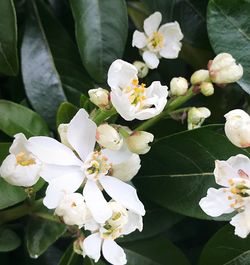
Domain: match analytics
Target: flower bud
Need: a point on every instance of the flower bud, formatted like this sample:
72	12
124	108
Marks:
199	77
196	116
73	209
63	130
178	86
100	97
237	127
224	70
141	68
108	137
207	89
138	142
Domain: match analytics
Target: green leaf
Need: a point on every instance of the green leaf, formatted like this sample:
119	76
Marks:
156	251
8	38
4	150
15	118
41	234
8	240
101	32
65	113
71	258
58	73
178	170
86	104
225	248
229	31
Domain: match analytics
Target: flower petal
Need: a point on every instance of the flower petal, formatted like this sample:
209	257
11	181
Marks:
241	164
122	193
216	202
150	59
121	74
92	246
171	50
113	253
139	39
19	144
171	31
96	202
152	23
50	151
81	133
241	222
223	173
134	222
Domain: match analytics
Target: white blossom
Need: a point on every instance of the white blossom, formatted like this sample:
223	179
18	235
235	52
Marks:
157	42
21	167
100	97
131	99
178	86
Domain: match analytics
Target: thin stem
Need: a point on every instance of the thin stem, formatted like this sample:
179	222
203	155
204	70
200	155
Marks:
102	115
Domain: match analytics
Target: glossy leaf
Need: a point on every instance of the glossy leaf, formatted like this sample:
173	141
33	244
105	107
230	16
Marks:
65	113
101	32
41	234
225	248
8	38
8	240
229	31
178	170
15	118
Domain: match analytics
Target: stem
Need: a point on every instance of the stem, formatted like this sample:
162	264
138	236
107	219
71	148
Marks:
102	115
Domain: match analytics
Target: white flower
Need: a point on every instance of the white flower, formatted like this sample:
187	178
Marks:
131	99
66	171
237	127
73	209
223	69
158	42
196	116
234	196
122	222
138	142
100	97
21	167
108	137
178	86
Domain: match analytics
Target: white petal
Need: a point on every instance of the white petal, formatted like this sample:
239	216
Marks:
171	50
61	185
117	157
50	151
96	202
171	31
152	23
121	74
139	39
123	193
19	144
81	133
113	253
134	222
216	202
223	173
92	246
150	59
240	163
241	222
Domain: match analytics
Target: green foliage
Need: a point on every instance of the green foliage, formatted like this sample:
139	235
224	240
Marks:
8	240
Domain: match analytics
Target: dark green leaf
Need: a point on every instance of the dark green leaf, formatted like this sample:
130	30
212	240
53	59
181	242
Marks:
8	38
178	170
8	240
71	258
15	118
225	248
229	31
65	113
101	32
4	150
41	234
86	104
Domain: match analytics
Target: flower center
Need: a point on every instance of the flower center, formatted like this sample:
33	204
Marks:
156	41
136	93
95	165
24	160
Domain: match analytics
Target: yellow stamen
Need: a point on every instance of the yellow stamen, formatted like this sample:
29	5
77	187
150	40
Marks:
21	159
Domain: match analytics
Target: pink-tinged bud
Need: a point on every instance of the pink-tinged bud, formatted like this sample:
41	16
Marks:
196	116
207	89
100	97
224	70
108	137
237	127
178	86
200	76
138	142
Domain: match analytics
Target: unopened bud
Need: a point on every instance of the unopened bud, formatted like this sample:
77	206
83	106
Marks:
108	137
178	86
100	97
63	130
224	70
200	76
141	68
196	116
237	127
138	142
77	245
207	89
